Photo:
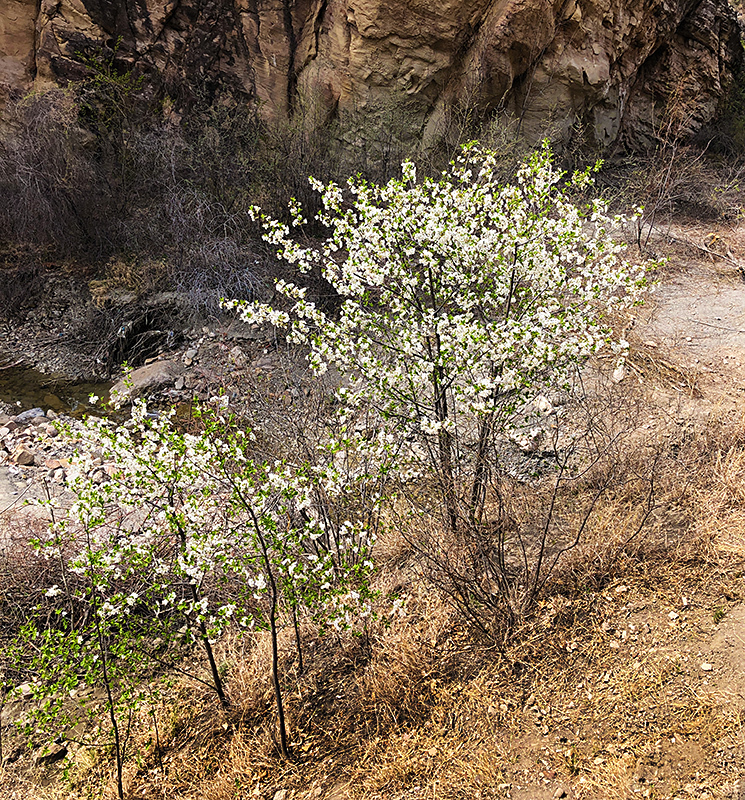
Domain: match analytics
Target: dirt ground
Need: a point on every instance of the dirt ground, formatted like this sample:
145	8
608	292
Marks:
688	643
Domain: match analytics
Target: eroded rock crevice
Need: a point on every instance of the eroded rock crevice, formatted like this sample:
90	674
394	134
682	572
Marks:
616	68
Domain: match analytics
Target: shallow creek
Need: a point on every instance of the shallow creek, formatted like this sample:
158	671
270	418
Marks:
23	388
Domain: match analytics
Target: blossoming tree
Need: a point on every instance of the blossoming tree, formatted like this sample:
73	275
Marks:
461	300
187	536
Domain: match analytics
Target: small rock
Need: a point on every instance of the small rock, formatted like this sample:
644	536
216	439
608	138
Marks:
14	755
191	354
619	373
99	476
543	405
560	793
22	456
706	667
51	753
26	690
179	384
27	416
238	358
50	430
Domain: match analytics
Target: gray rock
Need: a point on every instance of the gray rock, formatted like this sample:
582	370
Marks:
238	357
27	416
148	378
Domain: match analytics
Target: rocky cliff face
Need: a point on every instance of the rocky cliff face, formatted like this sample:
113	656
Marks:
621	69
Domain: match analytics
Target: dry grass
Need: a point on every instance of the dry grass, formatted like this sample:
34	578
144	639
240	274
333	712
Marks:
599	692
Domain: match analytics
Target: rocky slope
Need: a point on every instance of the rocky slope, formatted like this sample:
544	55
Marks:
622	70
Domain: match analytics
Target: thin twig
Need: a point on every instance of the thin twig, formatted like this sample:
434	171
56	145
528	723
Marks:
718	327
702	248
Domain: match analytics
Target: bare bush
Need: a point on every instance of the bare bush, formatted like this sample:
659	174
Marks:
542	503
52	191
20	287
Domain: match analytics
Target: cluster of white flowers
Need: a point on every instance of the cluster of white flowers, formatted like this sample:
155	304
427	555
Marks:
461	298
184	516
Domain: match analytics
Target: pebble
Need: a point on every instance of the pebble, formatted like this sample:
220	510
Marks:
22	456
238	358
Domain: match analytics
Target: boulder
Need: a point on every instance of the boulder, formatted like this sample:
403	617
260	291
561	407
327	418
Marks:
29	416
146	379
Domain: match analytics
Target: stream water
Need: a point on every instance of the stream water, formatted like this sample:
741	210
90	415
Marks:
24	388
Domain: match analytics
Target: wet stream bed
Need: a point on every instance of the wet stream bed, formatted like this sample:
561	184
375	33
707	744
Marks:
22	388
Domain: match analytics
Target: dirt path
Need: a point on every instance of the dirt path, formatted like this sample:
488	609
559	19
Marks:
696	319
697	312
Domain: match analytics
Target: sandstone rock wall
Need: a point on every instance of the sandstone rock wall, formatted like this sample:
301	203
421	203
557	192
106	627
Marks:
617	68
